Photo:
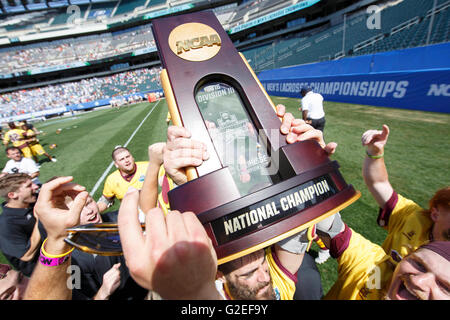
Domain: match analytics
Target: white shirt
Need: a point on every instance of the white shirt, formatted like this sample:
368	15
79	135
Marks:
312	103
25	165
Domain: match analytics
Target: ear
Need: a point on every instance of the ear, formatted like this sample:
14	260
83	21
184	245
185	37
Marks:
434	214
12	195
220	276
116	165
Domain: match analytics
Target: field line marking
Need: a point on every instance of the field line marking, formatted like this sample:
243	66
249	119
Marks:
105	173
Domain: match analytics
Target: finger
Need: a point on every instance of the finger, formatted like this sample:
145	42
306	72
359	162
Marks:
174	132
69	189
197	233
130	229
286	123
78	204
156	230
181	162
281	110
177	234
195	229
298	122
184	143
187	153
312	135
330	148
302	128
385	132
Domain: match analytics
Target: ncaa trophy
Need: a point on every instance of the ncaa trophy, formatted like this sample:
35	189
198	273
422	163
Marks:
255	189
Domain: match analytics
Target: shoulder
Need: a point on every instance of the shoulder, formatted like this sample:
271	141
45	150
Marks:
112	176
28	161
142	164
9	163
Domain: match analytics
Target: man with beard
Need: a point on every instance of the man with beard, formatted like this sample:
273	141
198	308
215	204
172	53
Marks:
128	174
408	225
20	233
257	276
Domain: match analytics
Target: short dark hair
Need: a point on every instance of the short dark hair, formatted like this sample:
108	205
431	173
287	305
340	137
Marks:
304	91
11	125
11	148
118	149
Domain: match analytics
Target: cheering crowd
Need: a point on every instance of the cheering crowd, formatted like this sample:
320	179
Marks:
175	258
85	48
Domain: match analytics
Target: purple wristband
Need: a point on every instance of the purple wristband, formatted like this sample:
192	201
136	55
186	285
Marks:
52	262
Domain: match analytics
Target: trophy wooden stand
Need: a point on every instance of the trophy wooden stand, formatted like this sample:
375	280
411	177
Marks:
255	189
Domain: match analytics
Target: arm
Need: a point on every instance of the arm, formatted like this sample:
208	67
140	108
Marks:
50	282
289	260
305	115
34	174
175	257
291	250
149	192
374	169
35	241
111	281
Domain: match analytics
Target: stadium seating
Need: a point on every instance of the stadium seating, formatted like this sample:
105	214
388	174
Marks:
128	6
327	44
82	49
86	90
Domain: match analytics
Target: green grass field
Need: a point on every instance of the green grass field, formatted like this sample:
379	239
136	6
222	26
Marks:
417	154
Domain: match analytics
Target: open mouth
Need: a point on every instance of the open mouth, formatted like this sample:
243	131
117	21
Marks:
403	293
93	218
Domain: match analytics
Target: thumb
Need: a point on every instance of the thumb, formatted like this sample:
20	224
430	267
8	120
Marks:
385	132
330	148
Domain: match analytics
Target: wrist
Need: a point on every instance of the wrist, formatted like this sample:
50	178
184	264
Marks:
375	155
101	294
56	246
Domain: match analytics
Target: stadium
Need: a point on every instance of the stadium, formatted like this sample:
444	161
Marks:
86	74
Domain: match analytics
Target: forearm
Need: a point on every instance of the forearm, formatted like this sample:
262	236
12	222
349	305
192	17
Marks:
289	260
101	294
35	242
34	174
305	115
50	282
149	192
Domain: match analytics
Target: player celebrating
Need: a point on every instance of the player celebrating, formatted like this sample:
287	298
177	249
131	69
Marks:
17	137
34	145
128	174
